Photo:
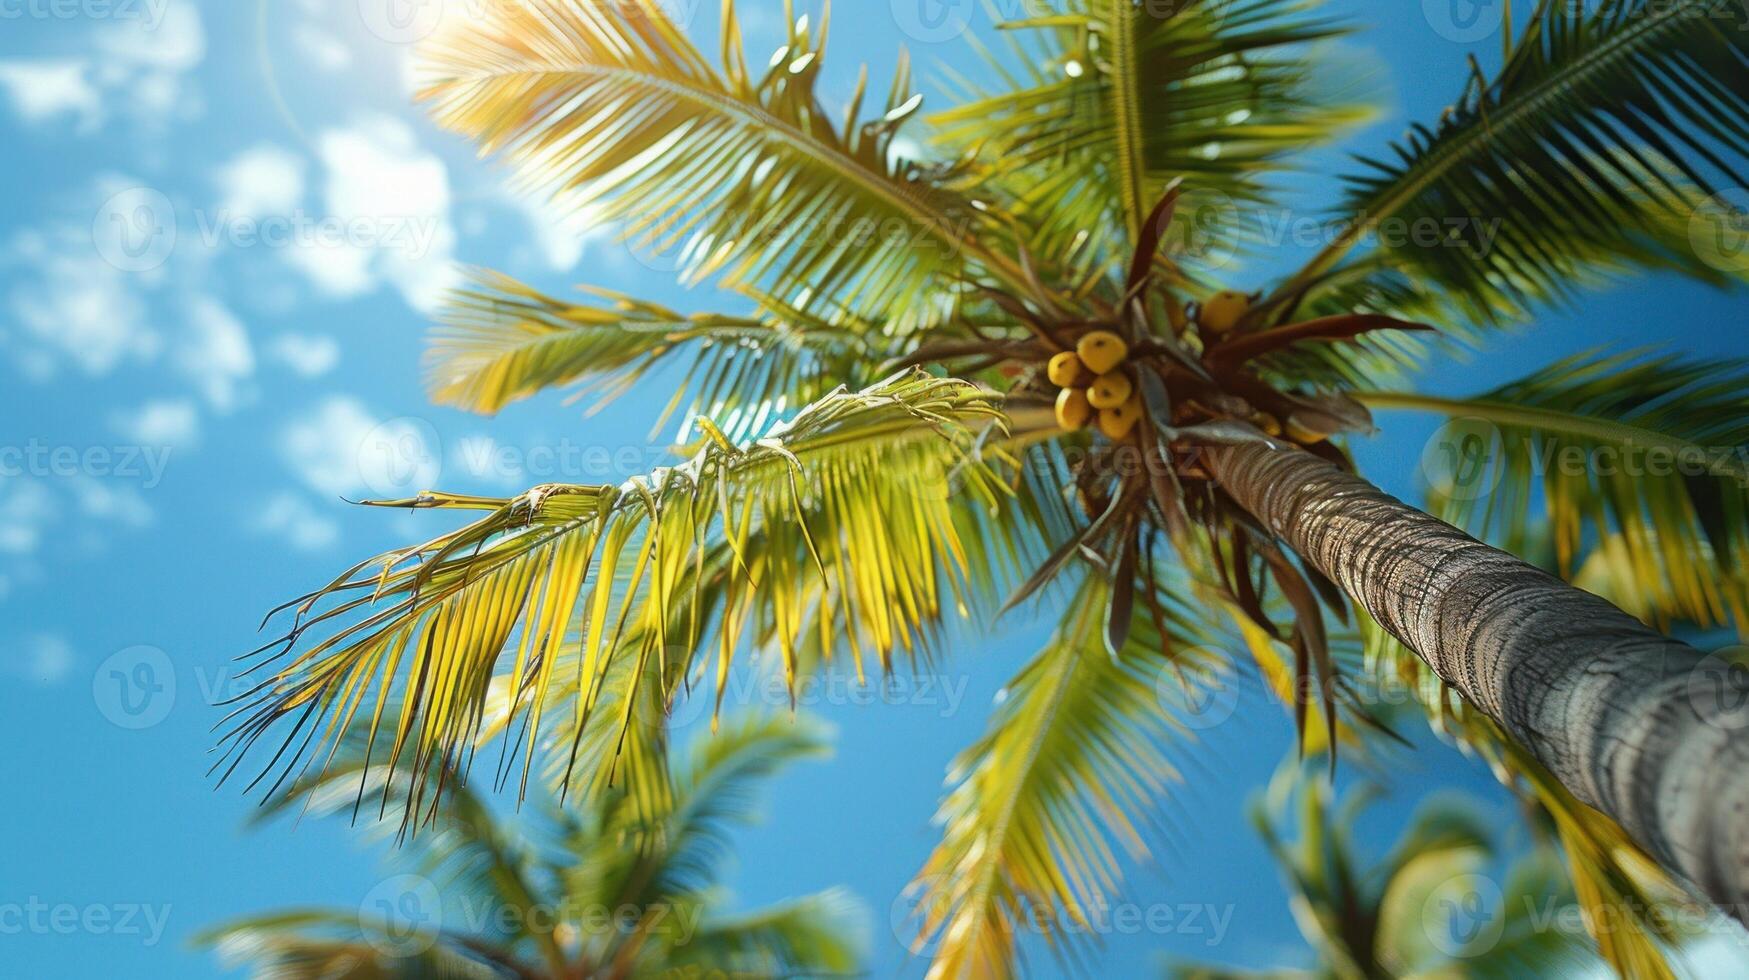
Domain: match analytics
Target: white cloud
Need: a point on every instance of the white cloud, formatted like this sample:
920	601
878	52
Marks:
261	181
141	64
110	501
307	355
138	69
42	89
26	510
324	50
291	518
215	353
340	449
481	460
172	422
561	232
337	271
76	308
393	199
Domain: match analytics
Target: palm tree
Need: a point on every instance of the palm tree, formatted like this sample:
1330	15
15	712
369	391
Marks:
1433	906
621	887
873	452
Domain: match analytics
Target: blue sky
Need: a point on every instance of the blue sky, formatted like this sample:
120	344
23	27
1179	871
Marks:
225	228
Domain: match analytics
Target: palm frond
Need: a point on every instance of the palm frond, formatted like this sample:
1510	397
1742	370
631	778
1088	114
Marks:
817	935
1108	101
611	108
501	341
853	485
1074	763
1640	462
464	848
665	855
1403	913
1587	154
1003	541
339	945
657	853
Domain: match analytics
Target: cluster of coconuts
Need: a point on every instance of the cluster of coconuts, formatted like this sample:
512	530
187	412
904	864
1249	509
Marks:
1092	378
1093	381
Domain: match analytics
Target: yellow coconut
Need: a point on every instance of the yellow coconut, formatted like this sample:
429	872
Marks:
1073	409
1102	350
1110	390
1064	369
1117	423
1222	312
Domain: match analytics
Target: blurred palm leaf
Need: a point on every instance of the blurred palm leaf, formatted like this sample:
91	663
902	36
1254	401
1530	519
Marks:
612	109
1641	462
1405	914
817	935
1075	762
547	880
502	341
856	485
1585	154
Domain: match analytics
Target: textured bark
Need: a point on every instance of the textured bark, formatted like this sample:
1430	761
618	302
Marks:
1602	701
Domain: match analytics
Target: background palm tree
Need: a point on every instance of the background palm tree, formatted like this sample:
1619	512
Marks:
1087	207
1434	905
621	887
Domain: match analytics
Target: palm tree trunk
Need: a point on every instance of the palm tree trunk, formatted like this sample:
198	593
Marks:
1626	718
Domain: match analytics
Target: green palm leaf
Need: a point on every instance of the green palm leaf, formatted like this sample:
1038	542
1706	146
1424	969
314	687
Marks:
824	934
1113	100
1586	154
502	341
667	852
531	895
854	486
325	945
1389	918
612	108
1075	759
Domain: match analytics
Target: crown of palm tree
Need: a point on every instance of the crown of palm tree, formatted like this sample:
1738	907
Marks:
838	507
622	887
